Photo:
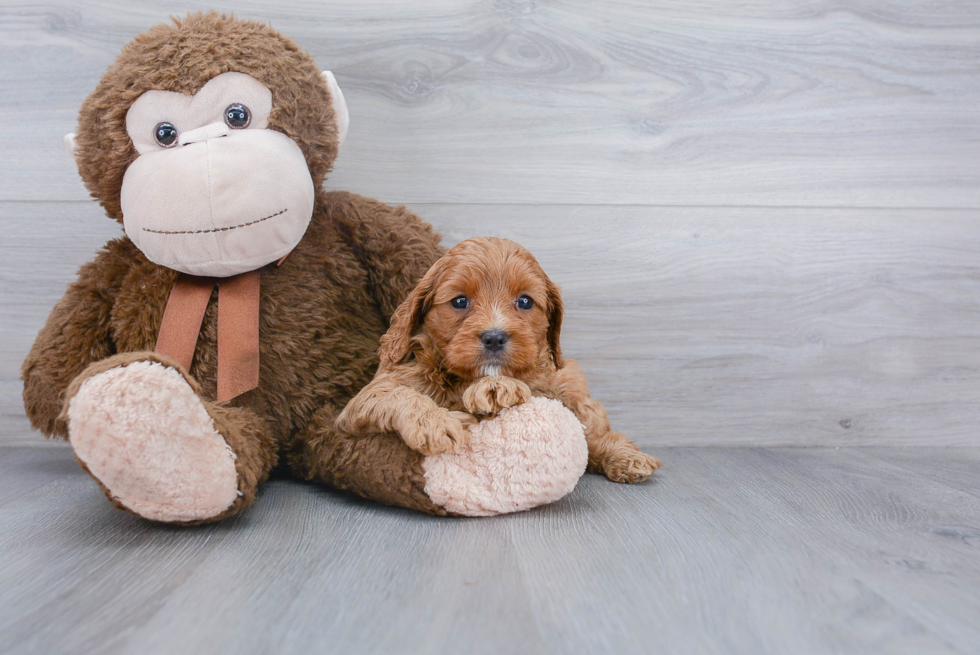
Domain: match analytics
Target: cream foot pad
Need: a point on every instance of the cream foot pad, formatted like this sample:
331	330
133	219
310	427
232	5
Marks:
147	437
529	455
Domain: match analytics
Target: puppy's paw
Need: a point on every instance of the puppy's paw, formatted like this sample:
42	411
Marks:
468	420
439	431
488	395
629	465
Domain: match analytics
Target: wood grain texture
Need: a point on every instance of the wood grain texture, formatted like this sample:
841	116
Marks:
805	103
727	551
696	326
956	469
763	218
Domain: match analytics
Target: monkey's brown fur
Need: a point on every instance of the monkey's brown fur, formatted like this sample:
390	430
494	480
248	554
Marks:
432	378
322	312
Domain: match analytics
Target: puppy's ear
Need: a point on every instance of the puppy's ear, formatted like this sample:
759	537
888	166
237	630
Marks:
556	311
397	341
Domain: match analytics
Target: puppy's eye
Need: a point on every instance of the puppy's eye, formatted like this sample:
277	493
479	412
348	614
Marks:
237	116
165	135
460	302
525	302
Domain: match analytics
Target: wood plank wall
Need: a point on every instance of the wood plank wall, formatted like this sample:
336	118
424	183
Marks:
764	216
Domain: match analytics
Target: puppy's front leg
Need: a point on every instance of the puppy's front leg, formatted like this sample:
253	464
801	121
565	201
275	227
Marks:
610	453
490	394
386	406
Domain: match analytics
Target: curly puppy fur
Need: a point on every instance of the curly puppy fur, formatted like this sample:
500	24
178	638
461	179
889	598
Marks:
480	333
322	312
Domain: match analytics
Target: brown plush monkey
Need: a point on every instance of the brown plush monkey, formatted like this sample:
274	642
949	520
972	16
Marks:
243	309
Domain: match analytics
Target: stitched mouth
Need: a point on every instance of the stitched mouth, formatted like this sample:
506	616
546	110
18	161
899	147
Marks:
217	229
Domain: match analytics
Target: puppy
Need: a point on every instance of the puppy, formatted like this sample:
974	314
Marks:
479	334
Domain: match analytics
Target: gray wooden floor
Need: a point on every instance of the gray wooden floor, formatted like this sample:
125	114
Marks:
739	550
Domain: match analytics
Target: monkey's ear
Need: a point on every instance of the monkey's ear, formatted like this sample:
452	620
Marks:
70	143
339	106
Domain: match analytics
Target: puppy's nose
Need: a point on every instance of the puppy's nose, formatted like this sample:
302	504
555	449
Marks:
494	340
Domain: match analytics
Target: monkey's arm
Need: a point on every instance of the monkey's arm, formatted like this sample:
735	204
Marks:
394	245
75	335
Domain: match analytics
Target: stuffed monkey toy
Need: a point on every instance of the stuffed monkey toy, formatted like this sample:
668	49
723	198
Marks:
226	330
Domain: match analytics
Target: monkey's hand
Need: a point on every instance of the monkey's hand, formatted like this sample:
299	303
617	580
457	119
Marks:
488	395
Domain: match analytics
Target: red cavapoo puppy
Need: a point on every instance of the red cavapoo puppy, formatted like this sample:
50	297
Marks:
478	334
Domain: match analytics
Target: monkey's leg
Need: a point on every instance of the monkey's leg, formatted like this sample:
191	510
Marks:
379	466
529	455
138	425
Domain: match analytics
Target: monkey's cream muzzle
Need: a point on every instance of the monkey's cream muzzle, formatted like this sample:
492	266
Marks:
219	205
220	194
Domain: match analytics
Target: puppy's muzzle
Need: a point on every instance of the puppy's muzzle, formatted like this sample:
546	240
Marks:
494	340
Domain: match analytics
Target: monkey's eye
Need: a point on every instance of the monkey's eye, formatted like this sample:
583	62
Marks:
165	135
460	302
525	302
237	116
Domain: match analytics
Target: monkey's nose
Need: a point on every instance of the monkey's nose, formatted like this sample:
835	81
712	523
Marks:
212	131
494	340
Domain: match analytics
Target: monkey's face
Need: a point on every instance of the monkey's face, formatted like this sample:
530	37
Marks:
213	191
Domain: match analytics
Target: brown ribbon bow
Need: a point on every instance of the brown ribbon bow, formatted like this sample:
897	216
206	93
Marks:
238	327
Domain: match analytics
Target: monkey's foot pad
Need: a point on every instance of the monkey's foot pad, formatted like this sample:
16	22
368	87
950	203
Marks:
529	455
146	436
